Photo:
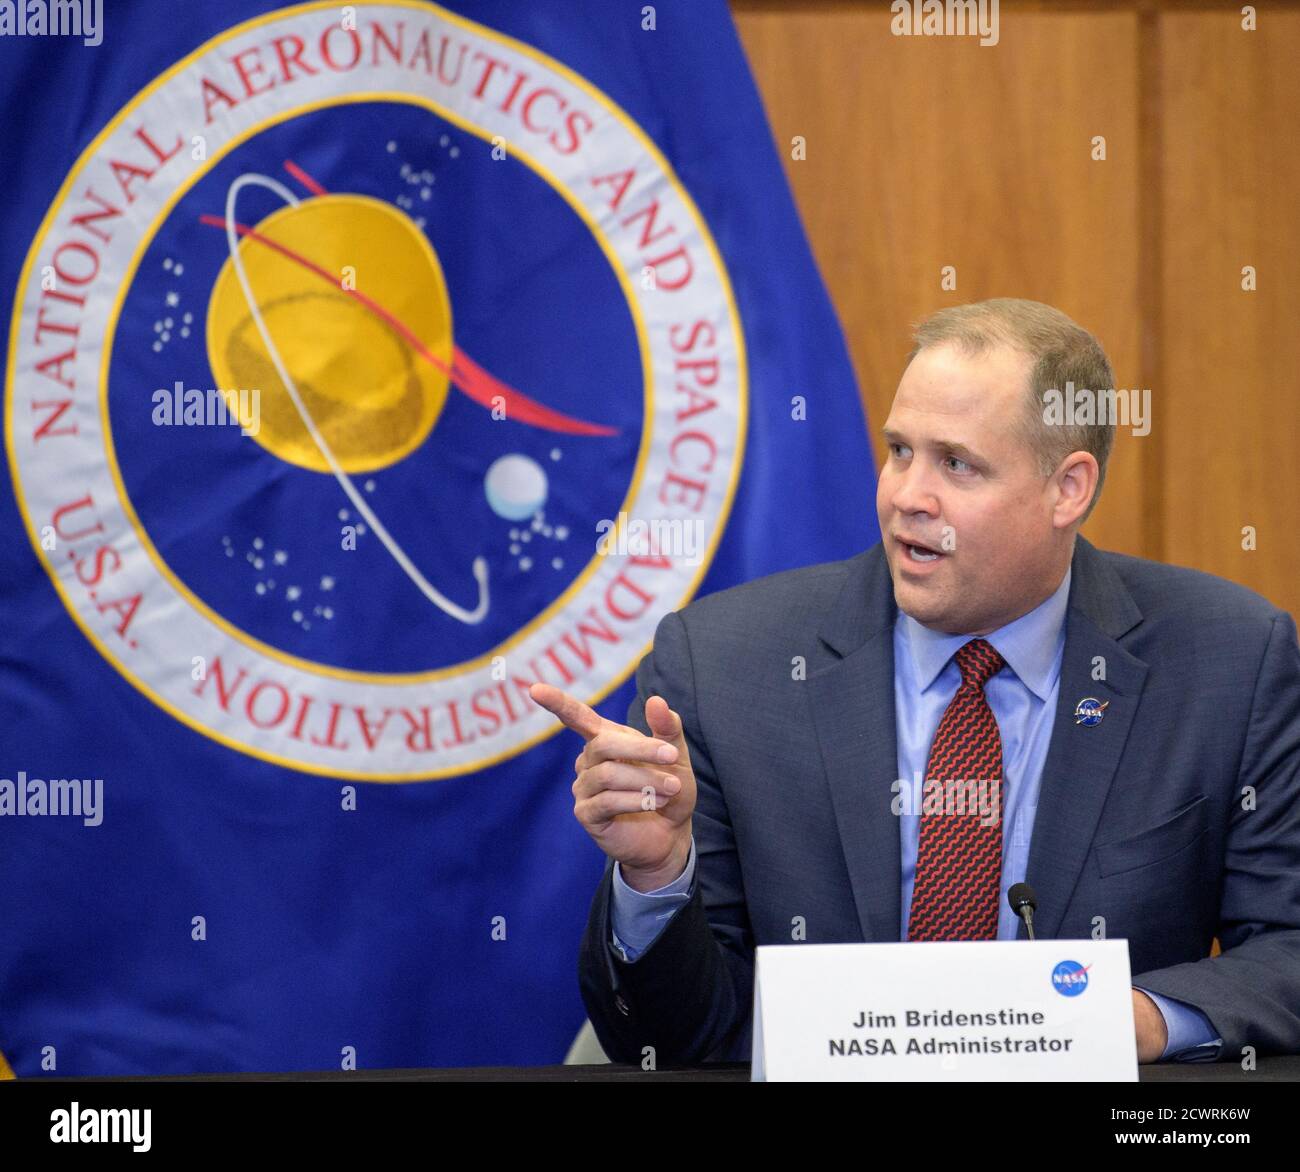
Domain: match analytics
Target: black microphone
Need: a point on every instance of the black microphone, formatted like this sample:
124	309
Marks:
1023	901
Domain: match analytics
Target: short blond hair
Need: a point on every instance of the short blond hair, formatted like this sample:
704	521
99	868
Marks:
1061	350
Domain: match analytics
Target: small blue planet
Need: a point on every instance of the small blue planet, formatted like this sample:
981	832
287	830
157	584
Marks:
516	487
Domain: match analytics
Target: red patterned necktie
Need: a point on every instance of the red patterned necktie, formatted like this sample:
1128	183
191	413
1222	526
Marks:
959	861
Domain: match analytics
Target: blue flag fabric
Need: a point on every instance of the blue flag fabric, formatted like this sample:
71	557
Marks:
365	364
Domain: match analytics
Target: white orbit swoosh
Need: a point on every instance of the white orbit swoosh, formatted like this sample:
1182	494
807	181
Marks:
345	481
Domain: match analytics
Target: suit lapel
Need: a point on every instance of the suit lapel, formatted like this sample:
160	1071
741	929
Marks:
1082	759
852	703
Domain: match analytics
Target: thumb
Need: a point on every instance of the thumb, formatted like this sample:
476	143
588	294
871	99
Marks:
666	725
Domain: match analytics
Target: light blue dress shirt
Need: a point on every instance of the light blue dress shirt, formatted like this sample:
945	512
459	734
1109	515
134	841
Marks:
926	677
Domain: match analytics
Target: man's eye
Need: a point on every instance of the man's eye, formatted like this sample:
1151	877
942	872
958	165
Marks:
898	449
955	460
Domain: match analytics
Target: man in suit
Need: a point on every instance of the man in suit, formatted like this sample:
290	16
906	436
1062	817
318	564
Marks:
1134	729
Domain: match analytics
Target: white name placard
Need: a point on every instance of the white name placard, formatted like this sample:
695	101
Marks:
975	1011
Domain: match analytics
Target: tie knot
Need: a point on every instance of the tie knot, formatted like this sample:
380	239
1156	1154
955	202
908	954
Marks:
978	662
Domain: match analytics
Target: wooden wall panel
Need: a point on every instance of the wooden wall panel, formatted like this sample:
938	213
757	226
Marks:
931	151
1231	197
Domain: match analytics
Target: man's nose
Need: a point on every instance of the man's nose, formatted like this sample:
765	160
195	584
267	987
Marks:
914	491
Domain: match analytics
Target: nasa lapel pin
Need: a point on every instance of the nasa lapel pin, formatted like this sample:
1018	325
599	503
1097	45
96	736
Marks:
1090	710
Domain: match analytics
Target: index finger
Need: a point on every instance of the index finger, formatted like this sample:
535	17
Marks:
572	712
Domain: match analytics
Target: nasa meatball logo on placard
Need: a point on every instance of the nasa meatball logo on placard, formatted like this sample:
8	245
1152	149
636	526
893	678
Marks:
342	364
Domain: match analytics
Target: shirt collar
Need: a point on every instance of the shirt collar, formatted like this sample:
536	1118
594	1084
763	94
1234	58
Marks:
1031	644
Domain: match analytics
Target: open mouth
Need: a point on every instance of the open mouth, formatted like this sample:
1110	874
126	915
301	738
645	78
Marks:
914	551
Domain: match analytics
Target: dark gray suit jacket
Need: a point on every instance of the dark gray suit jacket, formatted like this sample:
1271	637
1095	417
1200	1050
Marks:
1145	819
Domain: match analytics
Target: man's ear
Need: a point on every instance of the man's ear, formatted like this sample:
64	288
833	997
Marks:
1076	482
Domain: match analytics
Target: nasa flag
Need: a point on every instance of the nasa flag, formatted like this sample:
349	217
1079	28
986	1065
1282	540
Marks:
365	364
